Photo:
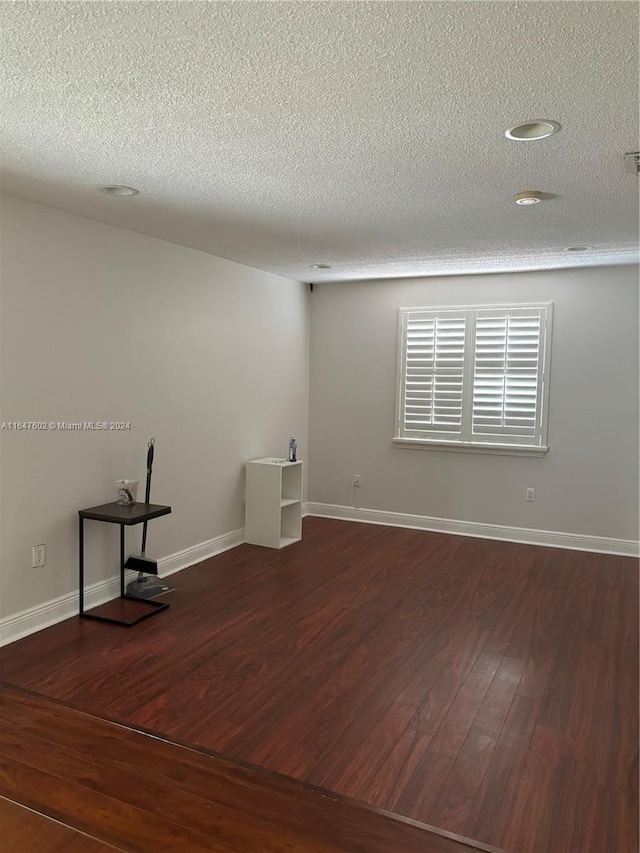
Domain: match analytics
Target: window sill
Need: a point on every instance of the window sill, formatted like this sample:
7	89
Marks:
471	447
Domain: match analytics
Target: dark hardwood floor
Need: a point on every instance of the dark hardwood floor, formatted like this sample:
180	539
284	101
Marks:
136	792
487	688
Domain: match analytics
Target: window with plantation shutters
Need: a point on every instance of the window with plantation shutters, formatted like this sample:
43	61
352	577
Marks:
475	378
433	372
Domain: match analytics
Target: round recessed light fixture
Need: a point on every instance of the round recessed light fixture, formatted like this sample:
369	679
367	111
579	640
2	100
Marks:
537	129
578	248
528	197
116	189
320	266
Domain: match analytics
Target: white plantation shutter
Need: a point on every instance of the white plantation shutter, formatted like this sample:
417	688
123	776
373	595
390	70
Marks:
507	373
433	368
474	376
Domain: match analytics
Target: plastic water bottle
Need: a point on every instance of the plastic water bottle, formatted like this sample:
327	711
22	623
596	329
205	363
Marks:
293	449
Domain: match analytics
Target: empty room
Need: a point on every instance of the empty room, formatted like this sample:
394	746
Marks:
319	458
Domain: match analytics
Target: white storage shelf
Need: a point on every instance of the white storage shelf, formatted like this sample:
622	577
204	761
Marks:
273	502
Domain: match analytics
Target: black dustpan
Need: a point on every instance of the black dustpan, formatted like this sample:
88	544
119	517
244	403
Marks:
144	587
141	563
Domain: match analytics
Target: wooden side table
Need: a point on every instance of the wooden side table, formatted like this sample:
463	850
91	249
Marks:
125	516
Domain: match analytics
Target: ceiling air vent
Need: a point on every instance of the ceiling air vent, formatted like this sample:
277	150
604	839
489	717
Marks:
632	162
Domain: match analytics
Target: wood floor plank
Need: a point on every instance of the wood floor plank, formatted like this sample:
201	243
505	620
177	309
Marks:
453	812
576	627
494	801
573	820
425	785
458	720
529	821
439	699
547	614
494	709
116	822
616	752
356	771
26	831
471	764
392	778
585	717
515	611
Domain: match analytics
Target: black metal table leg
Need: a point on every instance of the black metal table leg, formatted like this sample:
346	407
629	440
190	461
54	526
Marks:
122	560
81	558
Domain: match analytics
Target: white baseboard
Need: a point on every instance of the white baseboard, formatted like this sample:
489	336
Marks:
197	553
525	535
57	609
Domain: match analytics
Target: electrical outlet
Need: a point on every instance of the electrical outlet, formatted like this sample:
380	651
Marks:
357	480
531	494
39	556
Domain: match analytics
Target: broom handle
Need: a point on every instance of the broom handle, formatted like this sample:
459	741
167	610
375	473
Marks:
147	493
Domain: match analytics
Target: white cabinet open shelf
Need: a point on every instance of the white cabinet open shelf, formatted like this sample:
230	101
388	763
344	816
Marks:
273	502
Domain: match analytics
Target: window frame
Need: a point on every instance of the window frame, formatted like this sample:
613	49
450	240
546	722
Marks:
466	441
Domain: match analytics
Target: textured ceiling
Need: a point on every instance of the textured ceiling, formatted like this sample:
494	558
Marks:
368	136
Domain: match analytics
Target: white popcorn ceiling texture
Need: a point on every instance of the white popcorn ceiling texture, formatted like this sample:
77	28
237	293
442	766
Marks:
368	136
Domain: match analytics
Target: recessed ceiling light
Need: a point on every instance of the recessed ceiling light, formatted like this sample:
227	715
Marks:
320	266
578	248
528	197
119	190
530	130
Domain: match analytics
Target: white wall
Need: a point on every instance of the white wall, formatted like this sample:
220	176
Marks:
587	483
102	324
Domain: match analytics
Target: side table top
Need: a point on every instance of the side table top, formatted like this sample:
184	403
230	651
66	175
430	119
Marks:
114	513
274	460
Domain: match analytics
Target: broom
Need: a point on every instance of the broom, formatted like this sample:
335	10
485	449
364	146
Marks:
145	587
